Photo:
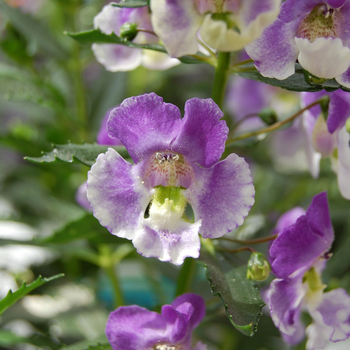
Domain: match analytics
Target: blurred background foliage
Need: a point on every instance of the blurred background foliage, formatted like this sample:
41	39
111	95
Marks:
52	91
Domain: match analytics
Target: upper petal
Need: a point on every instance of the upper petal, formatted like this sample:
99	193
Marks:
102	136
289	218
221	196
144	124
176	23
275	52
202	136
116	195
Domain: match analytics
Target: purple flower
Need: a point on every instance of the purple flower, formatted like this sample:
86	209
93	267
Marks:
176	162
312	31
328	139
298	256
135	328
225	25
123	58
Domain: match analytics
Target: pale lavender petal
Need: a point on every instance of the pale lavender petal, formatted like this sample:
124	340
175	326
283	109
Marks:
344	163
116	195
158	60
325	57
292	9
339	110
298	246
166	245
200	346
144	124
102	136
289	218
285	300
332	316
336	3
309	97
81	197
344	79
221	196
202	137
176	23
275	52
117	58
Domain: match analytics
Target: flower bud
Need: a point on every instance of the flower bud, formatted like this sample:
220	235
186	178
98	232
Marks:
268	116
258	267
128	31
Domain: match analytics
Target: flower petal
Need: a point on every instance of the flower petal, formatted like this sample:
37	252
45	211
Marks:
285	299
144	124
166	245
203	135
176	23
275	52
344	163
81	197
116	196
344	79
221	196
289	218
158	60
117	58
102	136
325	57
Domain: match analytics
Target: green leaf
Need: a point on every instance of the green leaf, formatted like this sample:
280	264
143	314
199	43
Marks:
86	227
241	297
96	36
132	3
13	297
295	82
86	153
33	30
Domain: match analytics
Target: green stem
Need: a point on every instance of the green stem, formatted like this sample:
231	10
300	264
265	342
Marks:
220	79
107	263
273	126
186	276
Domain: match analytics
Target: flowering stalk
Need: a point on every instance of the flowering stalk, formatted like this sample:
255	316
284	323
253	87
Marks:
185	276
274	126
250	241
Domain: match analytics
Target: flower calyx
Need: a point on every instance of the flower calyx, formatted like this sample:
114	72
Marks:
128	31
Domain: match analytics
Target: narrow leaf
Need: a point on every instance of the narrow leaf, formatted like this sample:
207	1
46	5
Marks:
131	3
96	36
13	297
241	297
295	82
86	153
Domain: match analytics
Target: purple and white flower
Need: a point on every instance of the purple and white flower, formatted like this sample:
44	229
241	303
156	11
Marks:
312	31
298	256
116	57
225	25
328	139
135	328
177	161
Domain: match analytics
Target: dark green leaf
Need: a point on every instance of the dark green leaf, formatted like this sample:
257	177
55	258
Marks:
86	153
132	3
96	36
33	30
241	297
295	82
13	297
